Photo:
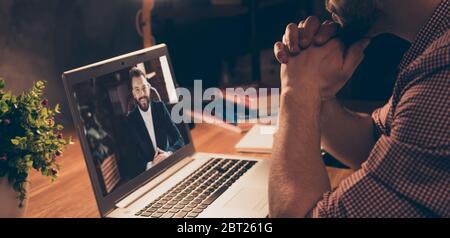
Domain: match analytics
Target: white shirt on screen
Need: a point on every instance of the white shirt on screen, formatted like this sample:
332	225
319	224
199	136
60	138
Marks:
148	120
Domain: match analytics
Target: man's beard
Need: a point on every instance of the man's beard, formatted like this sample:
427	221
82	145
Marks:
144	103
357	17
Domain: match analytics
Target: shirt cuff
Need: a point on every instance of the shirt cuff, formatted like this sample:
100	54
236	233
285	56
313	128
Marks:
149	165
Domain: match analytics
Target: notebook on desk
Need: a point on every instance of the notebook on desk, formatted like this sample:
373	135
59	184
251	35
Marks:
258	140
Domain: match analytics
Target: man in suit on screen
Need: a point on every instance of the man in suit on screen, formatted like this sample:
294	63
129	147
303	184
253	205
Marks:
153	136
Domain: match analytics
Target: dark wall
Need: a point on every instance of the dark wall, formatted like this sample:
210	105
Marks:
27	44
201	42
40	39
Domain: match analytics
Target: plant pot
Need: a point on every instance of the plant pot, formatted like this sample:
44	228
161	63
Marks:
9	202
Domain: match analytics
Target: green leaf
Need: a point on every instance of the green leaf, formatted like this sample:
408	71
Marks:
15	141
58	108
7	96
34	94
4	108
40	84
44	113
31	120
2	84
44	171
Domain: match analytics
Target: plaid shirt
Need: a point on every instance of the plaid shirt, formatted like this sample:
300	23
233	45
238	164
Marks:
408	171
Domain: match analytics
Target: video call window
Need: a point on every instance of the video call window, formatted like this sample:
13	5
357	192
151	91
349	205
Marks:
127	121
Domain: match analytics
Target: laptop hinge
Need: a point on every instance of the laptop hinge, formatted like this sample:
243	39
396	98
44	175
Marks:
128	200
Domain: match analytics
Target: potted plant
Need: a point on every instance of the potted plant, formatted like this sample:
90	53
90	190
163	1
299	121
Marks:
29	139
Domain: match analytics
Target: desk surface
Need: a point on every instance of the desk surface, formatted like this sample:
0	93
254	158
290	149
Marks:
72	195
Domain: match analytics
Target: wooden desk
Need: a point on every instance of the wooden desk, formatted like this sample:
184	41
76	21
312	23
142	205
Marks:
72	195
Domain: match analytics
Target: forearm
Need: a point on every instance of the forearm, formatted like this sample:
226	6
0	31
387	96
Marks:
348	136
298	177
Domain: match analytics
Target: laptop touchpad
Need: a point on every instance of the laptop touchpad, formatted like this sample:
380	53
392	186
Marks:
248	199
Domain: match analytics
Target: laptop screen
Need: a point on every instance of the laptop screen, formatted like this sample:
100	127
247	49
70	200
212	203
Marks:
127	122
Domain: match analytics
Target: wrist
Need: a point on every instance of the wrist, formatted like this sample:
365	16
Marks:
302	94
293	100
329	108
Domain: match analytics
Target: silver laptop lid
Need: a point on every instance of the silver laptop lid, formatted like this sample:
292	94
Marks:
121	111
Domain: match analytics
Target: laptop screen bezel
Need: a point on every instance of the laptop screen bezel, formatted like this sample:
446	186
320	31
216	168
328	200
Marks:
107	203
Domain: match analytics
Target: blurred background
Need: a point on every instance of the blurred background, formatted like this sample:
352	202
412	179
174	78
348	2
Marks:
222	42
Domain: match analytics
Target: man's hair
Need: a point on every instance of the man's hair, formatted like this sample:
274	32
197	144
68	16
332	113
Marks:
136	73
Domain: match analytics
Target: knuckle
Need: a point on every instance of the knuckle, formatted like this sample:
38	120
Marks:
312	19
278	45
291	30
292	26
301	23
278	50
304	33
278	53
280	57
319	39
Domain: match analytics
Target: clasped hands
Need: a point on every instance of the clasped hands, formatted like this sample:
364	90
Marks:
160	156
314	61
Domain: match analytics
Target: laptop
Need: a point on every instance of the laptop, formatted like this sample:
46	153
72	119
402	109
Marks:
141	163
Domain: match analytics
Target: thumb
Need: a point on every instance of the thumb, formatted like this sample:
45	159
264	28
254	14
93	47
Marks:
354	56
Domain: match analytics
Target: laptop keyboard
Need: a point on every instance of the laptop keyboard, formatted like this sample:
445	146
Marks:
196	192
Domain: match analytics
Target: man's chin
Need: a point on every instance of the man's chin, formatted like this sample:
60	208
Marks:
144	107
